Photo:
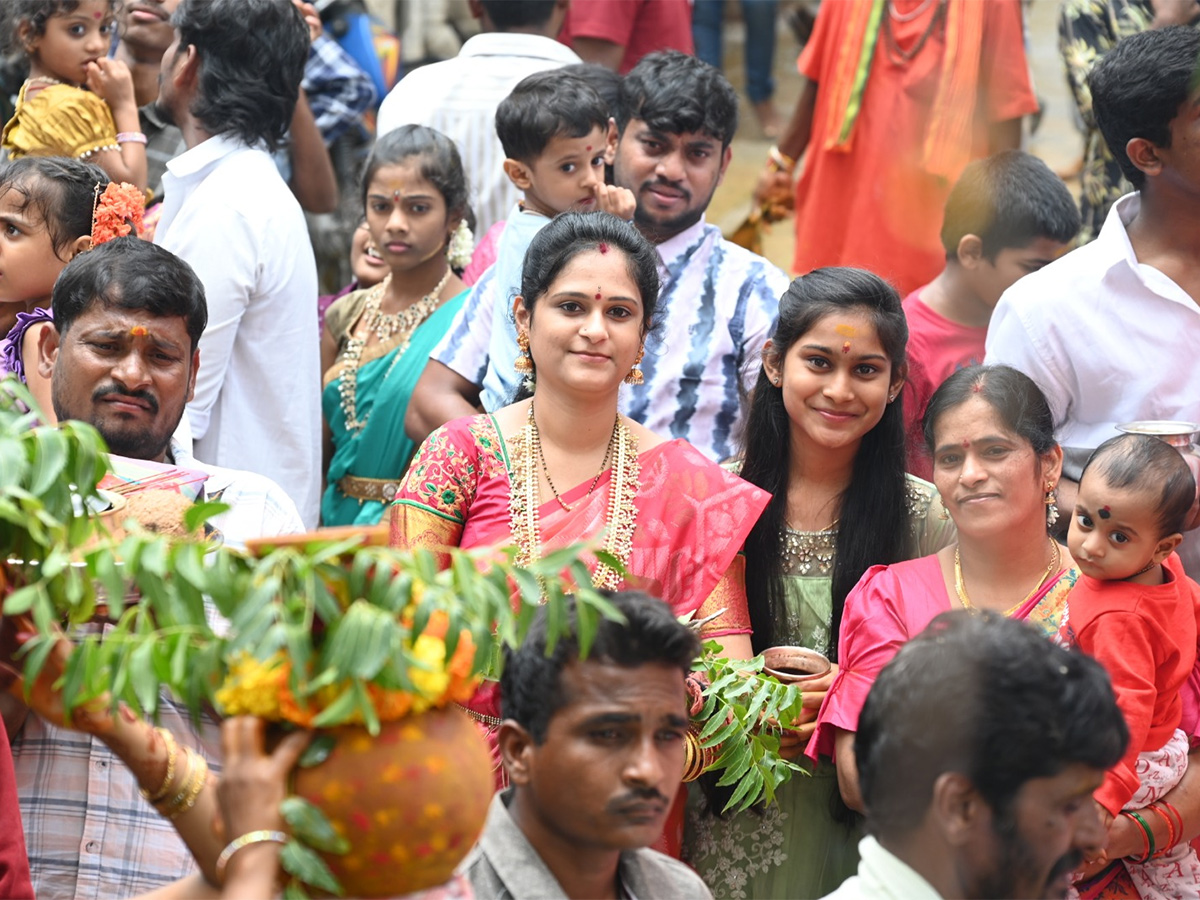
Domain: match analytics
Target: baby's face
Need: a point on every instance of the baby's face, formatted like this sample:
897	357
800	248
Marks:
1114	532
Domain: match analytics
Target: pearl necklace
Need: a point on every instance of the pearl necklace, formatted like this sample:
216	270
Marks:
525	500
384	327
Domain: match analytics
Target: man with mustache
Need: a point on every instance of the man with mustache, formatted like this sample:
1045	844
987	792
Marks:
978	750
123	356
594	752
718	301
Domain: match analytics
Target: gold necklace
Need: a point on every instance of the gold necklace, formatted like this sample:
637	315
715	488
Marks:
961	589
384	327
620	521
537	444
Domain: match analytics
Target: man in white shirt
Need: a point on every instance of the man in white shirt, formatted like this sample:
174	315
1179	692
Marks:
1110	331
231	90
459	96
123	356
978	750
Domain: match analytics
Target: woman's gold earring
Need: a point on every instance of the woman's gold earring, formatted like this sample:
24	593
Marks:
524	361
635	374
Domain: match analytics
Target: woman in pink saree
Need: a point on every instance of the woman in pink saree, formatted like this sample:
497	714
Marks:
675	519
996	467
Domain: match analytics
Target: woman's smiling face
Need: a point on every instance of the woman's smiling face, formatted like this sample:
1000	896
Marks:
836	380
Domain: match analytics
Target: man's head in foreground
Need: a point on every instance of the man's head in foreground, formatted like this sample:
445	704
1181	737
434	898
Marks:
124	350
594	747
978	750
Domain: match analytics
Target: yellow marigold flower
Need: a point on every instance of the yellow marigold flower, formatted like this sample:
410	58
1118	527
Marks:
431	683
252	687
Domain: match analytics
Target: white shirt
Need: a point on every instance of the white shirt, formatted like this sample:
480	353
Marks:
716	307
1108	340
883	876
230	215
459	96
258	507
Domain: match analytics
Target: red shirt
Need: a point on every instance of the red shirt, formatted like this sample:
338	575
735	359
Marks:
640	26
875	207
937	348
14	867
1145	637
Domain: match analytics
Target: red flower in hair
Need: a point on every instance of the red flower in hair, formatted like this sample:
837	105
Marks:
118	212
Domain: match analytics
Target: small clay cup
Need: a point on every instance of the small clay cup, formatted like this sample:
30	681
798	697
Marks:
794	665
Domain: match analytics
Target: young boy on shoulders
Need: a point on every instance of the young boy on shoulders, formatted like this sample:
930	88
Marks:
558	137
1008	215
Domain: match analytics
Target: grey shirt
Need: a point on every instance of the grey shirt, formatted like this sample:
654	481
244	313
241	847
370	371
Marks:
504	866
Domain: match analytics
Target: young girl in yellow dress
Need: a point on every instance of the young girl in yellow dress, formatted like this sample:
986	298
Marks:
77	102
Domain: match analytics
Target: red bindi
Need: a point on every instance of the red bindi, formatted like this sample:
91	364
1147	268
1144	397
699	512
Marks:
966	445
603	247
846	347
589	146
599	296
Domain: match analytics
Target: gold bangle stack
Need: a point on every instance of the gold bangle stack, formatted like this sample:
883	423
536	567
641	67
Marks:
172	754
696	759
193	781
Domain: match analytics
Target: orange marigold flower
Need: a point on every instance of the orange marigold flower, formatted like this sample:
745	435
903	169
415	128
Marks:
120	210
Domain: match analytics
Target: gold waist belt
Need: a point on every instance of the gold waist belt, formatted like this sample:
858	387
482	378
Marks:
381	489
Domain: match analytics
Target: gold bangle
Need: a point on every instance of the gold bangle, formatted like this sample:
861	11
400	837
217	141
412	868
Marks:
693	757
172	753
780	160
198	781
251	837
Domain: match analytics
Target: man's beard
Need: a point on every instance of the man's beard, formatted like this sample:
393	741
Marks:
1014	858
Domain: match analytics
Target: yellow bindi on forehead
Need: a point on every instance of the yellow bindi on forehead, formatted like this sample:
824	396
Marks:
139	331
846	331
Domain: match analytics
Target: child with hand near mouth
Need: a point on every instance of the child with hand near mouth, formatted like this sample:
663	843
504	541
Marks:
1134	609
77	102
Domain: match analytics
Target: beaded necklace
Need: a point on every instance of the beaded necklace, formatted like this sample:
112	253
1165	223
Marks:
525	499
403	323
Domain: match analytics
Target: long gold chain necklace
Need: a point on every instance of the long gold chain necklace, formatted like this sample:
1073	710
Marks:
961	590
621	518
537	445
404	323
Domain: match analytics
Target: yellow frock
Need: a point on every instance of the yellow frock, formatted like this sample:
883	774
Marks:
60	120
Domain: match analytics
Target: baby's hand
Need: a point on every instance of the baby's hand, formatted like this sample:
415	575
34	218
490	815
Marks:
311	18
109	79
616	200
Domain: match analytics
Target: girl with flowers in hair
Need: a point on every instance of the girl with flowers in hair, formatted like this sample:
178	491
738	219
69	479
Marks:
51	209
76	102
375	342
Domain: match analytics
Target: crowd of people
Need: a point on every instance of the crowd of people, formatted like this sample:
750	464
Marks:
907	458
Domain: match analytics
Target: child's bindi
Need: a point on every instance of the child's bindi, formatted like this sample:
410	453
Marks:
138	331
603	247
589	148
1105	512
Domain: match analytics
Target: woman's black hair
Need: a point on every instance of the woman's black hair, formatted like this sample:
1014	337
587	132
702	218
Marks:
441	165
60	191
1019	403
571	233
874	508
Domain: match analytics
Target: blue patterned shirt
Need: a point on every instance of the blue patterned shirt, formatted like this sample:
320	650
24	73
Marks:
717	307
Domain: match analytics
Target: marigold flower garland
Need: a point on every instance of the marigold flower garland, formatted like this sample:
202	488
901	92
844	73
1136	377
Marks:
119	210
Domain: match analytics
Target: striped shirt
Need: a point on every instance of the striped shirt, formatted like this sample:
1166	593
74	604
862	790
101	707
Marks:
88	832
716	308
459	96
